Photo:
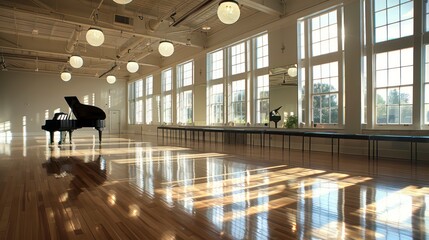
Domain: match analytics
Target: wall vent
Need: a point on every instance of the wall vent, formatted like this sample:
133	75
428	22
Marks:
119	19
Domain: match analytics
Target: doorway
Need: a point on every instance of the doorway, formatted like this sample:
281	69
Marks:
115	121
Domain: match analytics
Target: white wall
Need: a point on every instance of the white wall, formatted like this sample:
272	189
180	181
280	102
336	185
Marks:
31	94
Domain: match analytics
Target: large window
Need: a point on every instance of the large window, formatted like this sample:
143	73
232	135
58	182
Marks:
321	61
262	99
185	80
238	102
394	87
392	19
149	97
238	58
393	61
325	93
426	89
426	79
184	110
215	65
215	74
166	88
237	82
324	33
215	110
135	102
262	51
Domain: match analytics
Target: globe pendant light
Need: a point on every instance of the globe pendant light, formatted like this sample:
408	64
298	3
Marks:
94	37
228	11
132	66
76	61
111	79
122	1
292	72
65	76
166	48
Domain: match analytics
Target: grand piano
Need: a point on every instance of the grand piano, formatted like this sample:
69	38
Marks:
275	116
86	116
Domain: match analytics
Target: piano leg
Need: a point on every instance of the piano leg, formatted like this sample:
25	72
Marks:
99	134
51	134
62	137
70	136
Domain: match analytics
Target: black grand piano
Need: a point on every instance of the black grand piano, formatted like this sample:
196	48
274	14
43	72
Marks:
86	116
275	116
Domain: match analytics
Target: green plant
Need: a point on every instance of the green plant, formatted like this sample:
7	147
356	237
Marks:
291	121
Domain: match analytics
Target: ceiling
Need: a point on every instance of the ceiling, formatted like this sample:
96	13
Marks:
41	35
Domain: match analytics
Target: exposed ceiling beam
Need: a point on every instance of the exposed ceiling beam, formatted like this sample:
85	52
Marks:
273	7
78	16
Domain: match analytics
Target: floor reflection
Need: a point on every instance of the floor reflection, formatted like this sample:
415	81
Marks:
242	200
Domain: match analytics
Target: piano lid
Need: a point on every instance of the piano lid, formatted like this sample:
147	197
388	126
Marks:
84	112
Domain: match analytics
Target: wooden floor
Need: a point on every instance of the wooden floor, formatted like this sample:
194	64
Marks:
141	187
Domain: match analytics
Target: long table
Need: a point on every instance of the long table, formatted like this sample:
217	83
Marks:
262	133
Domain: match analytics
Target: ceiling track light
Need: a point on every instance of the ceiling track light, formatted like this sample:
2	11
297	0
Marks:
76	61
166	48
95	37
132	66
228	11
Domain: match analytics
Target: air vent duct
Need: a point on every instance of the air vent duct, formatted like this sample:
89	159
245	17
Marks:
123	20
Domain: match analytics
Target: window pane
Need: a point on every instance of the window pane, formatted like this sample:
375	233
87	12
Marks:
381	114
381	96
407	11
393	20
394	59
393	31
393	15
407	28
381	34
379	4
391	3
393	114
316	101
380	18
325	115
426	93
334	100
407	75
393	96
316	115
334	114
381	77
394	77
381	61
406	95
406	114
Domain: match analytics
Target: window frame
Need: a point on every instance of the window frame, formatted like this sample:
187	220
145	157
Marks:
306	62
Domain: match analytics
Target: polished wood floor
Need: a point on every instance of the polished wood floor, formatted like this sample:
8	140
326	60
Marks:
141	187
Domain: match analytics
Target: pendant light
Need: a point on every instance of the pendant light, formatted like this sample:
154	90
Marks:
76	61
95	37
111	79
166	48
132	66
122	1
228	11
65	76
292	71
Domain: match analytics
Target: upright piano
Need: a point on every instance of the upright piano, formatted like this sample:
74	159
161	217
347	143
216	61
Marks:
86	116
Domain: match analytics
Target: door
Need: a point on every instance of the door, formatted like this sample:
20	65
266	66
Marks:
115	121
